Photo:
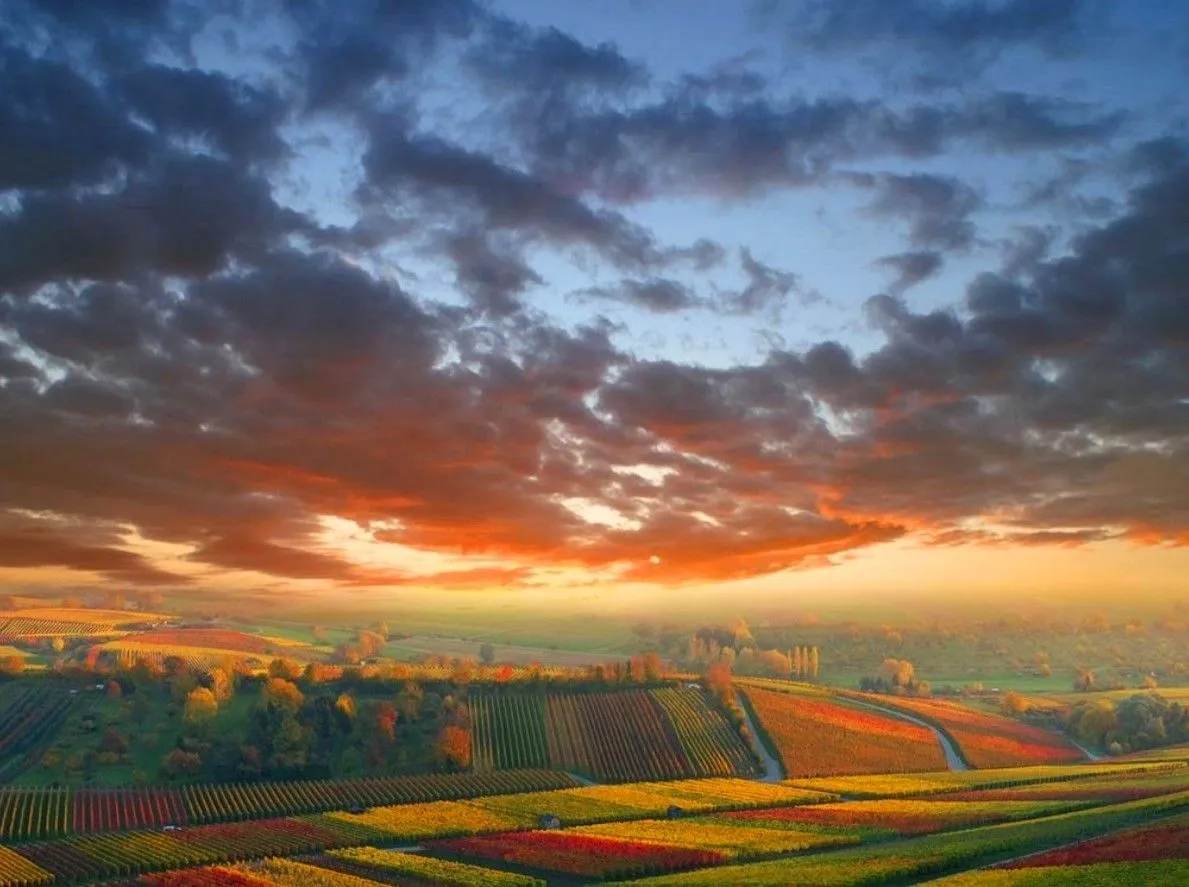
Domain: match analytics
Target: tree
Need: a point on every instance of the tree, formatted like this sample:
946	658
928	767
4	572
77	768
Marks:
798	665
1014	704
408	701
464	671
179	762
775	663
282	694
897	672
717	681
454	747
12	666
201	706
486	654
386	716
345	706
1084	680
370	643
742	634
284	668
220	684
113	743
319	634
814	662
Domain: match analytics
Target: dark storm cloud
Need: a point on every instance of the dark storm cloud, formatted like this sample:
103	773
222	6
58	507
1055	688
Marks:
450	179
186	216
30	543
935	26
57	128
766	287
734	149
239	119
342	57
541	62
936	42
912	268
495	277
936	208
660	295
217	371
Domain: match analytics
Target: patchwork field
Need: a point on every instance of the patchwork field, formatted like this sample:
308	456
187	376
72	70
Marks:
65	622
988	740
726	831
619	736
815	736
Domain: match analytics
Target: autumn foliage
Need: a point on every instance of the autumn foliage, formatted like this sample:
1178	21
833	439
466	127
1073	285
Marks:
454	747
990	741
816	737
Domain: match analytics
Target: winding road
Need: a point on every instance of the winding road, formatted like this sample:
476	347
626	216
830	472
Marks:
953	758
773	771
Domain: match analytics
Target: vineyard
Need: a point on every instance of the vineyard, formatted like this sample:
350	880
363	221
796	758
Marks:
618	736
626	830
28	718
816	737
27	814
67	622
987	740
208	638
509	731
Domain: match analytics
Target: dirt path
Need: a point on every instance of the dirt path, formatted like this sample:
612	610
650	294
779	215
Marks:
953	758
773	771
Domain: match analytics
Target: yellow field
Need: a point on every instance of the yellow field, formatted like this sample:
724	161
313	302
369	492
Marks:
82	614
895	786
737	841
199	657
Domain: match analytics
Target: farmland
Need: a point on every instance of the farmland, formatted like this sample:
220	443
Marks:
612	737
815	737
988	740
610	831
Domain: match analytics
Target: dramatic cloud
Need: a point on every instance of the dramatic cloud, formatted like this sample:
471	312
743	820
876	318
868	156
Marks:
357	281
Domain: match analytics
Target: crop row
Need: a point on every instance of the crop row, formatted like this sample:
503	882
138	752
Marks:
27	721
905	817
909	784
47	812
586	855
617	736
24	627
915	858
96	857
509	731
372	861
32	814
817	737
220	803
1165	840
988	740
85	858
714	747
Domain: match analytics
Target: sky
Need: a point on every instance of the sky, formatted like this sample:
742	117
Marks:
443	297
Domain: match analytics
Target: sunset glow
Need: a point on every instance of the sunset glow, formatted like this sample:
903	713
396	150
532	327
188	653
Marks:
525	298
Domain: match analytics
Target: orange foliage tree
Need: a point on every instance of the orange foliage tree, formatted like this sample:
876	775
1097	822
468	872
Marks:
454	747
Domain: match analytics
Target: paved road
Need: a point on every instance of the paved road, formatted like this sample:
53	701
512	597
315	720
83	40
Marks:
953	758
